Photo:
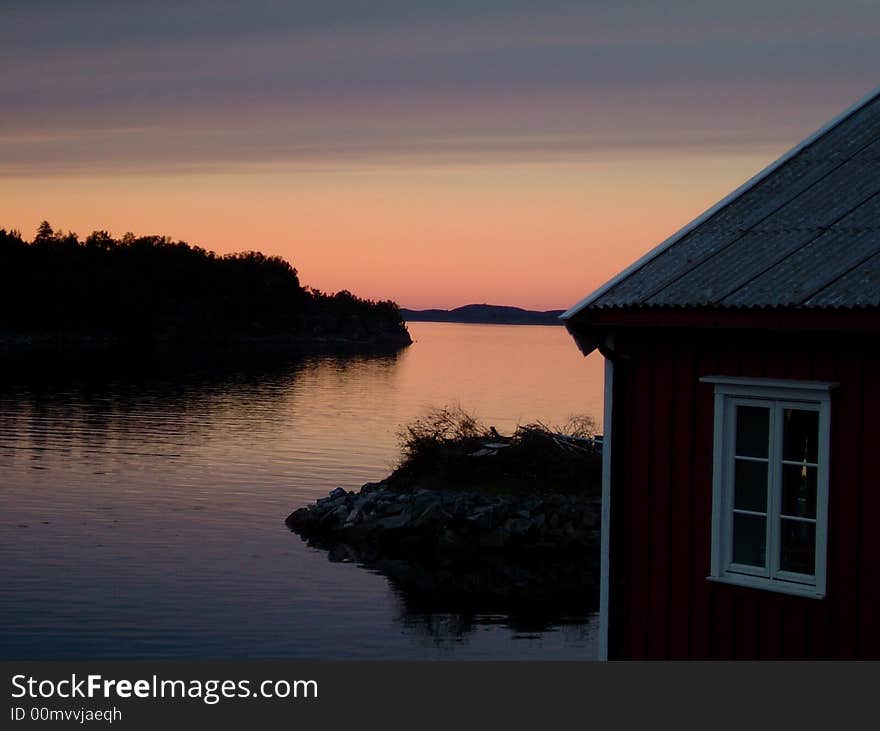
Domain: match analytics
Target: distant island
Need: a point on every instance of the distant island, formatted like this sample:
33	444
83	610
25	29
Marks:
60	291
485	314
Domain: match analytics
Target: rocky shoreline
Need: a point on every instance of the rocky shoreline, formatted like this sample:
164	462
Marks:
448	522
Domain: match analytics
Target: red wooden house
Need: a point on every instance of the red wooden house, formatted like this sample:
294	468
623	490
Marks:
742	426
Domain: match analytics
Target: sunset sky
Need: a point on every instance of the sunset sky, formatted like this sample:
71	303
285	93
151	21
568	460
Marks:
435	153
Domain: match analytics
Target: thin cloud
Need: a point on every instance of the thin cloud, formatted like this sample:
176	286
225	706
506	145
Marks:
124	86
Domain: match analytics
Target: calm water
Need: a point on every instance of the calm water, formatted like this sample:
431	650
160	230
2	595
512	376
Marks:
143	507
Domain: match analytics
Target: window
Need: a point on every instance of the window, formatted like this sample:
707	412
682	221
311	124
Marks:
770	484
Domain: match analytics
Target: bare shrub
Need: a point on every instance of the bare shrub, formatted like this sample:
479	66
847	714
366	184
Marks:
580	426
450	448
439	428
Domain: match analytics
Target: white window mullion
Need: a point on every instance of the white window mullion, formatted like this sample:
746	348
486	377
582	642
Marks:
774	499
823	473
728	465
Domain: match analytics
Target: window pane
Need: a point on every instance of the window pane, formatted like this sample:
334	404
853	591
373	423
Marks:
798	547
800	441
750	486
749	540
752	431
799	490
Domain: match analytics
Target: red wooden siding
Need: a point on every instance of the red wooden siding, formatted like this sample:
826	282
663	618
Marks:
662	605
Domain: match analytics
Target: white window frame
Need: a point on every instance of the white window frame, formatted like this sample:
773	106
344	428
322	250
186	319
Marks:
776	395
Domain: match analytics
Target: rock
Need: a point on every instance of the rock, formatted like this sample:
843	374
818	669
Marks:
363	503
485	452
424	499
450	539
379	521
392	522
342	553
299	518
555	537
483	519
590	517
431	516
411	544
493	539
357	535
460	507
517	527
333	517
395	508
372	487
352	518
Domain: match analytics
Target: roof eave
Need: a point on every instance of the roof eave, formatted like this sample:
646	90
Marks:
583	339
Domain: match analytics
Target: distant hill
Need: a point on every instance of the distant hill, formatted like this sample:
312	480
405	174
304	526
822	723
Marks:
485	314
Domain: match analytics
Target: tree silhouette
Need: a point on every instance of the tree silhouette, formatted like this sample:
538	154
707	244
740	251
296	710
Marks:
154	288
45	234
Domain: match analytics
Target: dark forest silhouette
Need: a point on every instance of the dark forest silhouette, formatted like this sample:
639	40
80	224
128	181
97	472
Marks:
153	288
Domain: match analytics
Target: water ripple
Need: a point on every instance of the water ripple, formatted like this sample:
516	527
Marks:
143	507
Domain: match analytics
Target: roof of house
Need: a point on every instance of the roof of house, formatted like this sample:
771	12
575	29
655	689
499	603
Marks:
804	232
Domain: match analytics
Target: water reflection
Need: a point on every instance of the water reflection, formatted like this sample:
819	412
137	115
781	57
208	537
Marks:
450	596
129	407
143	502
449	600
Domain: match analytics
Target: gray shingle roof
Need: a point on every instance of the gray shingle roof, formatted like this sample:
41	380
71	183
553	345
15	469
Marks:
805	232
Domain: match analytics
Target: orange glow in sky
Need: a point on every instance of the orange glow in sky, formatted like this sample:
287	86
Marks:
511	153
537	235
